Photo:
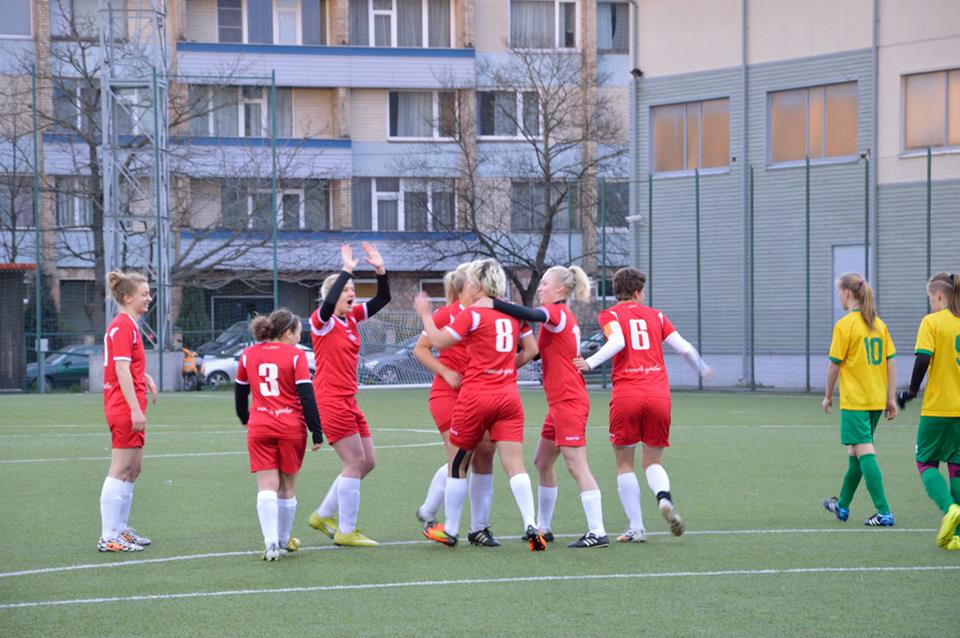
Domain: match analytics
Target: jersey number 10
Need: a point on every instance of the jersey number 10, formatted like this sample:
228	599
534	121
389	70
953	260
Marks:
874	348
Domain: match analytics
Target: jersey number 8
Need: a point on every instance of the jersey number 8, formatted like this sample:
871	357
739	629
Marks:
269	386
504	335
639	338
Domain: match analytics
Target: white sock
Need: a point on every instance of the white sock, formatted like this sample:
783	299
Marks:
453	497
594	511
481	498
328	507
127	488
431	504
628	487
111	502
348	496
546	501
523	495
267	511
657	479
287	511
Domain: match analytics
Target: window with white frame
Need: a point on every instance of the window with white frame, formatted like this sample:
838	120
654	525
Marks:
16	19
16	202
133	111
423	114
293	22
932	110
613	27
543	24
402	204
532	203
248	205
74	202
508	114
76	106
691	135
400	23
232	111
81	18
434	290
819	122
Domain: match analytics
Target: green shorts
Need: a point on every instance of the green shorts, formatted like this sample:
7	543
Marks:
858	426
938	439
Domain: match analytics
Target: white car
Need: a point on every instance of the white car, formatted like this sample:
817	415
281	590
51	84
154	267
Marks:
221	369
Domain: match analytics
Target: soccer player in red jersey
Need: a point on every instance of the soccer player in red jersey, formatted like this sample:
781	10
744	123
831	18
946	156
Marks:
640	401
336	346
564	430
125	387
488	399
448	369
275	372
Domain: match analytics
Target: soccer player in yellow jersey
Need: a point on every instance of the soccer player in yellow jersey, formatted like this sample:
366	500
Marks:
938	436
861	355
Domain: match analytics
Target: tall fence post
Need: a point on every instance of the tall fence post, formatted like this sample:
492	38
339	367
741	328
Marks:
650	238
866	217
807	269
753	307
696	186
161	327
37	275
929	216
603	244
569	223
273	184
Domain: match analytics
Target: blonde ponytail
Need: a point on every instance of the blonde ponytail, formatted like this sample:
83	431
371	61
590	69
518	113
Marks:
862	291
574	281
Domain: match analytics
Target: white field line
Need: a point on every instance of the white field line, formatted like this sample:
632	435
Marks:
157	430
188	557
487	581
179	455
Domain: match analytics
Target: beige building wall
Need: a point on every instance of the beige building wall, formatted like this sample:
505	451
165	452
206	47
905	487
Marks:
204	203
313	114
201	20
492	20
787	29
683	36
912	41
368	115
617	99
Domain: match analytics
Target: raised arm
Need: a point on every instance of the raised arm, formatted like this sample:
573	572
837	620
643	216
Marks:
522	313
329	303
440	339
382	297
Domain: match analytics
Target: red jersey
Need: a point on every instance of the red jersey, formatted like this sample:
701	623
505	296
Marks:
455	357
122	342
559	343
639	367
273	370
490	338
336	347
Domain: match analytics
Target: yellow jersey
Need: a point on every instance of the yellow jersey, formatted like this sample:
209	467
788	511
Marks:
939	337
862	355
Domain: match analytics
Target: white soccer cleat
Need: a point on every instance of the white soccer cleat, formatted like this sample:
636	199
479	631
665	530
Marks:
130	535
669	513
272	552
117	545
633	536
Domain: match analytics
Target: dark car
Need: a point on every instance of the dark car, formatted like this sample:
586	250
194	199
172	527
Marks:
588	347
64	367
394	367
239	334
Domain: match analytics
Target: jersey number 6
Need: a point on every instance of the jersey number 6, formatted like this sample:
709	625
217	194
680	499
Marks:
639	338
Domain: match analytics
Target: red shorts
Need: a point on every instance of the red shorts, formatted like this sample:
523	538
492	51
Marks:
640	418
271	453
341	417
566	423
122	434
500	413
441	409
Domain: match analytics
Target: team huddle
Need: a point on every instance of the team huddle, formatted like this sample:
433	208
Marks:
482	340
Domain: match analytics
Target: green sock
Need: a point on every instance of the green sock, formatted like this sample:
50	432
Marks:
937	489
851	480
874	480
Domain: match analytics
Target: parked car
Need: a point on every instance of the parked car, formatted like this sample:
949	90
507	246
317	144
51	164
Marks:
221	369
588	347
239	335
392	368
64	367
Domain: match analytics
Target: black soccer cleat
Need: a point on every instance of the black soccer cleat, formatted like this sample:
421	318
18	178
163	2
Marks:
483	538
548	536
590	540
535	538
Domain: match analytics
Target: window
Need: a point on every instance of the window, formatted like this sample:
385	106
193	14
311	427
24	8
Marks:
932	108
238	111
690	136
508	114
400	23
819	122
133	111
617	204
395	204
434	290
613	27
423	114
82	18
292	22
16	202
74	202
530	207
76	106
15	18
543	24
230	20
247	205
314	21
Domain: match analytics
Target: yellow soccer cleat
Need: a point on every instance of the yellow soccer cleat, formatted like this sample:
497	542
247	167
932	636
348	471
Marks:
949	525
326	525
354	539
293	545
953	544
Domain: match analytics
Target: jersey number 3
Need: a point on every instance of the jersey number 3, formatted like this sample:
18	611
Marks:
639	338
504	335
269	386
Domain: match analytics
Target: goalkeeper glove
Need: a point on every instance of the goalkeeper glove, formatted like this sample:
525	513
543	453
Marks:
903	397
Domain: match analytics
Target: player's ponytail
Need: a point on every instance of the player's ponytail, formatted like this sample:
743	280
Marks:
489	274
123	284
574	281
949	285
862	291
272	327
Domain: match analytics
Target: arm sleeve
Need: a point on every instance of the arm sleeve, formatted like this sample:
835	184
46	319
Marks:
686	350
241	394
520	312
311	415
330	301
920	365
376	304
615	343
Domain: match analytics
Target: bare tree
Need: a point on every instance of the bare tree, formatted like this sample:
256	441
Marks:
16	168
